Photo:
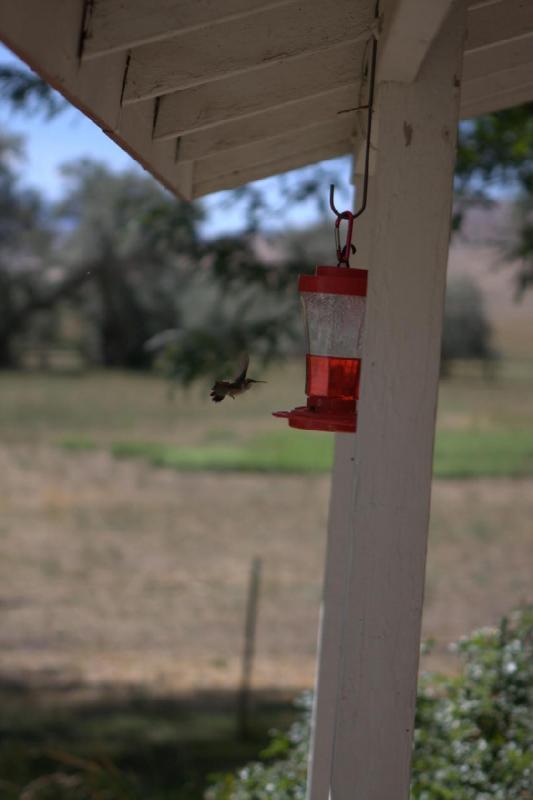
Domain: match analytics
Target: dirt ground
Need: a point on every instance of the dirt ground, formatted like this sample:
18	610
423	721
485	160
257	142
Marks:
115	572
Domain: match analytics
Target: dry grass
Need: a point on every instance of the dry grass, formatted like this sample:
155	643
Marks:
116	572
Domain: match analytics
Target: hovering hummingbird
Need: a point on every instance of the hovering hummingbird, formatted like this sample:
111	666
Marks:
240	385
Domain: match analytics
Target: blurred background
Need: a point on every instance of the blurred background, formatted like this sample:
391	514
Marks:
150	539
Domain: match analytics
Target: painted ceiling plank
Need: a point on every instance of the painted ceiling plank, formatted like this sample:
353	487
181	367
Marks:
498	101
30	28
300	158
118	25
499	22
502	56
408	36
478	89
271	150
236	97
297	116
253	42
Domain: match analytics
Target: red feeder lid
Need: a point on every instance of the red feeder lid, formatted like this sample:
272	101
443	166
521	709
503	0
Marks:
335	280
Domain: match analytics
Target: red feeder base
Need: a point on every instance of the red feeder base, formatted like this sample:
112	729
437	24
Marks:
322	414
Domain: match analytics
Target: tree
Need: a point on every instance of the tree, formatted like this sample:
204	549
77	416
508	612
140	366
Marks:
137	244
24	240
497	149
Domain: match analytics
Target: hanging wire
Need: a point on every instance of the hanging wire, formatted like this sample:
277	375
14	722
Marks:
344	252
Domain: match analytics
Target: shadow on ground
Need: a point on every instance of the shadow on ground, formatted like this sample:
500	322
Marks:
165	746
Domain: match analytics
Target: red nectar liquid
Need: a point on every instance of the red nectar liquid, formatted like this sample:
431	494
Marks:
333	377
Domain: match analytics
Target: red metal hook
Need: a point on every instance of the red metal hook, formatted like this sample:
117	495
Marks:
343	253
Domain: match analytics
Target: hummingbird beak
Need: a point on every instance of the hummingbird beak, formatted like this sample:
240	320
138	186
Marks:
252	380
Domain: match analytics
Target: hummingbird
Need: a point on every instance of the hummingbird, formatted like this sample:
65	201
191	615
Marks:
240	385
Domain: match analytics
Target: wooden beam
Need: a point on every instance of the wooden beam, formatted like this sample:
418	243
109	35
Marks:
271	150
497	102
482	63
270	88
252	42
118	25
391	494
300	158
337	567
30	29
409	31
298	116
498	22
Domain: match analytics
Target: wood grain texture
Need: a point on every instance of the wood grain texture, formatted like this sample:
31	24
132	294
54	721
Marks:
303	114
271	150
390	506
498	22
299	158
497	102
119	24
253	42
496	83
270	88
501	56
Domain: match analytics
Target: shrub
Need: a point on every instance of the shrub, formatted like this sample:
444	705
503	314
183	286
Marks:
466	331
473	734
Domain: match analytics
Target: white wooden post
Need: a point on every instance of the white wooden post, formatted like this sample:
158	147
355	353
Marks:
390	509
337	565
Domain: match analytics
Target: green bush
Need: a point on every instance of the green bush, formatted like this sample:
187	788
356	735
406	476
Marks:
473	734
466	331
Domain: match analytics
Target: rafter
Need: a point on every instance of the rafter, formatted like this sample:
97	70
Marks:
270	88
113	25
298	116
251	43
501	56
498	22
300	158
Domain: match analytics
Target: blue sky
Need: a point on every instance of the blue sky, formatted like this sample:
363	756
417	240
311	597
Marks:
70	136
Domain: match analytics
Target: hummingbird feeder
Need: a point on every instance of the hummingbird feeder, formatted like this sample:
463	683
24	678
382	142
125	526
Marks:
334	302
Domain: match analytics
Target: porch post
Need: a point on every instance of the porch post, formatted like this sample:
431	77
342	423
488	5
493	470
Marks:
338	547
389	500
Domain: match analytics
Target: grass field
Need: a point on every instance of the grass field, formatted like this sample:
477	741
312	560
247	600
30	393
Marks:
128	523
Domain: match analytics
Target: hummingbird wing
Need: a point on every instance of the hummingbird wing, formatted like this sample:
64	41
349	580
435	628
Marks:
219	391
241	377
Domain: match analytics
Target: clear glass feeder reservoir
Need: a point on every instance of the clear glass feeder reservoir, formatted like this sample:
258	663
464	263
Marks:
334	301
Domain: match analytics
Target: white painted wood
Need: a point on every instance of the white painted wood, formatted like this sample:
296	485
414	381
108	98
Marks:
273	87
498	22
408	34
501	56
416	154
339	543
300	158
252	42
30	28
509	80
497	102
118	24
274	149
298	116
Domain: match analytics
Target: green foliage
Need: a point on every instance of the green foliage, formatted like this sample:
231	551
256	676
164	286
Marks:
466	331
25	91
473	734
